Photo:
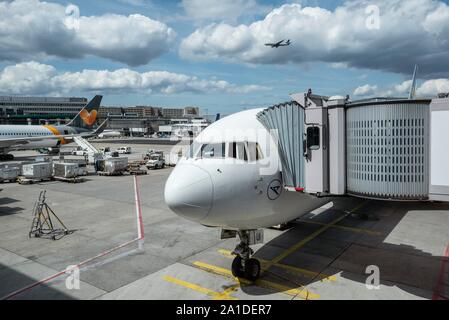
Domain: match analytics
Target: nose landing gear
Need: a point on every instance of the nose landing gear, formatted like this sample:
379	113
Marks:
243	266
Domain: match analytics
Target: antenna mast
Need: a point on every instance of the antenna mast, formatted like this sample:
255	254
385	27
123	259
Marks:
413	87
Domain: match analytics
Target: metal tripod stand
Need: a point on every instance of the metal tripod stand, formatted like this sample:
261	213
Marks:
42	225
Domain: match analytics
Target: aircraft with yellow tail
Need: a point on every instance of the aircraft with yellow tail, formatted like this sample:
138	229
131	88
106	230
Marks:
28	137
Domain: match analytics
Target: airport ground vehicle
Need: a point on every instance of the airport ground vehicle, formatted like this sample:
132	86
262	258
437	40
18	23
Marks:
124	150
156	161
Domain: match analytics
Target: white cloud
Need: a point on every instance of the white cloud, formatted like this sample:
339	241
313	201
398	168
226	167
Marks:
220	10
365	90
429	88
402	88
31	77
412	31
30	29
36	78
433	87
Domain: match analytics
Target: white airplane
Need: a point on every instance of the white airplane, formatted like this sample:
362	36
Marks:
231	179
28	137
279	44
110	134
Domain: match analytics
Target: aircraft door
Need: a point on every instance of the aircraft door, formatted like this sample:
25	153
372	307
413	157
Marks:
316	150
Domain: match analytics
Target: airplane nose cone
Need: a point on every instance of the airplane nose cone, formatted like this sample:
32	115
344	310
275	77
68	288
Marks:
189	192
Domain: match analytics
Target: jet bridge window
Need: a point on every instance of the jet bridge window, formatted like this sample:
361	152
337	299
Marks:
313	138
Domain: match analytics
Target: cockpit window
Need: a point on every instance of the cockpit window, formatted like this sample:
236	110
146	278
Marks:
237	150
245	151
207	150
214	150
254	151
194	150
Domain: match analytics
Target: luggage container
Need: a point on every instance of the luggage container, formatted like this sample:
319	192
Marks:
38	171
9	172
112	165
66	170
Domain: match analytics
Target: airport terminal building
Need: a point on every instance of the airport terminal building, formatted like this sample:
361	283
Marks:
60	110
35	110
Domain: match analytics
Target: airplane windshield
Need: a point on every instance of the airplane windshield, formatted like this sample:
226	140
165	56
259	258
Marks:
193	150
254	151
247	151
214	150
207	150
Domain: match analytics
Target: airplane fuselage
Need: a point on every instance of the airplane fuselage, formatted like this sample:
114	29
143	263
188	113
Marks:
231	190
24	131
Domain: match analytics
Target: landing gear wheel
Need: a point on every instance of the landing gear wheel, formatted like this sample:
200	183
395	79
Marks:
237	268
243	265
252	269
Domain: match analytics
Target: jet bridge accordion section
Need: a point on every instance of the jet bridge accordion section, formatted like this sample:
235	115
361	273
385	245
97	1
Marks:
388	149
286	124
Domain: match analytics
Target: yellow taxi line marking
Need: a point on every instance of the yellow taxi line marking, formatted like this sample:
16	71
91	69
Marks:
215	295
353	229
309	238
301	292
295	292
308	273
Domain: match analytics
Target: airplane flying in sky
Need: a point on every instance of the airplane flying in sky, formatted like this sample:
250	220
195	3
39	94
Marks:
27	137
279	44
232	179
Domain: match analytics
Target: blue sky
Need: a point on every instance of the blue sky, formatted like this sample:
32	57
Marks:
212	53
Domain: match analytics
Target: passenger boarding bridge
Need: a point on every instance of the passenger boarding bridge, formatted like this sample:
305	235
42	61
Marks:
378	148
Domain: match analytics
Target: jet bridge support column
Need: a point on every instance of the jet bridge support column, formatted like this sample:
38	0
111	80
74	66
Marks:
337	146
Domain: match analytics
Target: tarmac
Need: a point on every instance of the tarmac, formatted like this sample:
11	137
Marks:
349	249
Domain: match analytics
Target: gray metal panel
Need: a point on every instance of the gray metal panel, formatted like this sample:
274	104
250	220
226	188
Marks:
387	150
316	165
286	124
337	151
439	153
